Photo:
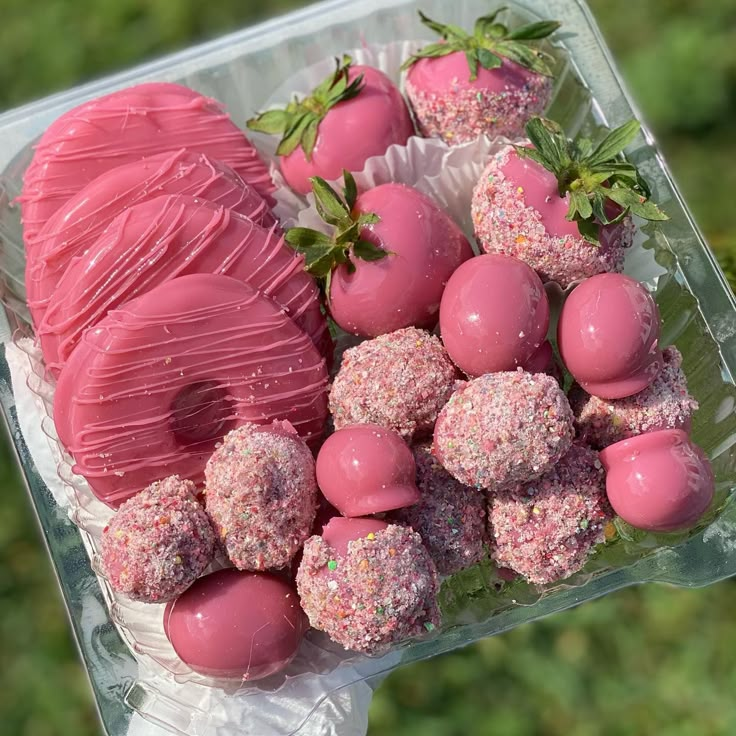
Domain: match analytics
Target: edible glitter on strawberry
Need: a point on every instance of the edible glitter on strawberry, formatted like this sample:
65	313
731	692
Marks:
517	211
381	591
450	517
158	543
503	428
261	494
546	529
664	404
400	380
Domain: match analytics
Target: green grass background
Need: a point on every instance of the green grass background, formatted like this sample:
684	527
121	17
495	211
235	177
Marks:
651	660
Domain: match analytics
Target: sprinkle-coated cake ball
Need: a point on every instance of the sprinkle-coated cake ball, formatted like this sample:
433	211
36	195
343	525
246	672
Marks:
376	589
449	517
545	530
504	428
158	543
517	211
400	380
664	404
261	494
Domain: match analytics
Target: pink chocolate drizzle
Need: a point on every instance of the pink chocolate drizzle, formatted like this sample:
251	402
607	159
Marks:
160	240
118	406
76	225
126	126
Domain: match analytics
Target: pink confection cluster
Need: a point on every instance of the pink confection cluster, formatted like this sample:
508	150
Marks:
264	483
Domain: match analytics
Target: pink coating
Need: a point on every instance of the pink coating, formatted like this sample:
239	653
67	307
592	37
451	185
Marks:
126	126
76	225
517	211
236	625
659	481
261	495
503	428
494	315
157	383
664	404
546	529
352	132
399	381
381	591
608	334
449	517
158	543
366	469
340	531
165	238
403	289
448	105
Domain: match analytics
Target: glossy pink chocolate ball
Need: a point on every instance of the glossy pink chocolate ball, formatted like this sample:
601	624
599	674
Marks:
494	315
659	481
339	532
403	289
365	469
352	131
608	336
236	624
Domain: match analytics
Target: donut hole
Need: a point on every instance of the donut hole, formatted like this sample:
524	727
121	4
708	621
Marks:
201	413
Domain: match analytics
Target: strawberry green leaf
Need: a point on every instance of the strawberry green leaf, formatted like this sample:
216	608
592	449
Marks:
304	238
368	252
309	138
486	25
271	122
614	143
368	218
319	261
524	56
292	137
329	205
580	207
589	230
472	57
534	31
488	60
350	191
433	25
550	142
534	155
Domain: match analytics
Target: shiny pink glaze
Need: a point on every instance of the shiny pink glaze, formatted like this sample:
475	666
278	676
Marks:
236	624
366	469
607	335
126	126
494	314
164	238
659	481
339	532
451	72
405	288
153	387
352	131
76	225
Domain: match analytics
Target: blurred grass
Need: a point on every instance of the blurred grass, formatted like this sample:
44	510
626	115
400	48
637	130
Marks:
652	660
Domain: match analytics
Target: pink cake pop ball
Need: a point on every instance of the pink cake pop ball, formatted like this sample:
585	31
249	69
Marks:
352	131
261	494
664	404
237	625
546	529
608	336
494	315
448	105
517	211
503	428
158	543
403	289
399	381
658	481
368	585
366	469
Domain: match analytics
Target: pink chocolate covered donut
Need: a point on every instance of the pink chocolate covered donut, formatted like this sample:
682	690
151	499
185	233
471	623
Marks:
503	428
157	383
449	517
545	530
368	585
126	126
400	380
165	238
261	495
664	404
75	226
158	543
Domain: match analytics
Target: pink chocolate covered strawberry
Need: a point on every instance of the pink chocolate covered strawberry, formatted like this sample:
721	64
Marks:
487	82
563	207
356	113
388	261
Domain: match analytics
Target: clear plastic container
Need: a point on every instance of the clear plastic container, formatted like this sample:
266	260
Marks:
698	313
